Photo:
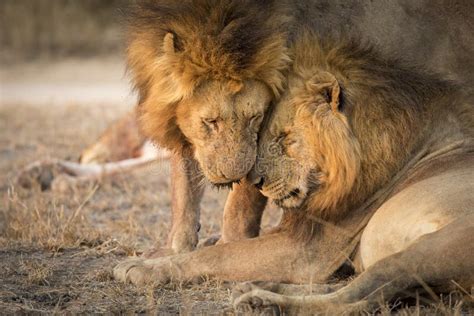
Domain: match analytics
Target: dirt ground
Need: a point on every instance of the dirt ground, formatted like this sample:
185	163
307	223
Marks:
58	248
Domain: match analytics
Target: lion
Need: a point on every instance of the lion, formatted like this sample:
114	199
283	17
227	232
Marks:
206	72
323	153
353	135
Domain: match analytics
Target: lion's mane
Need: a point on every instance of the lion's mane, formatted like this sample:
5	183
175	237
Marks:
174	46
387	113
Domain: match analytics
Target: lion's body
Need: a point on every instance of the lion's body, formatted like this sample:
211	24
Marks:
422	237
121	140
419	150
422	208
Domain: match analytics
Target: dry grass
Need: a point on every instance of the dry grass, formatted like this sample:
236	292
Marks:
57	249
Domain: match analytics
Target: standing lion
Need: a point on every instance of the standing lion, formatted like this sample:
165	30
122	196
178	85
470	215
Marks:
206	72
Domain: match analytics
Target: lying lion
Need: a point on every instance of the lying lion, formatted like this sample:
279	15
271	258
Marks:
333	151
353	136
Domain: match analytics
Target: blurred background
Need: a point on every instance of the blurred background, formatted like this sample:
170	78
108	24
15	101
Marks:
52	51
46	29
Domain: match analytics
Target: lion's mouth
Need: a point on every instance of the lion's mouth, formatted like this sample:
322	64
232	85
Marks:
291	200
227	185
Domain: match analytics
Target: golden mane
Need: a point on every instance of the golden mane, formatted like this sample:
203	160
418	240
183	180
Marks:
387	113
174	46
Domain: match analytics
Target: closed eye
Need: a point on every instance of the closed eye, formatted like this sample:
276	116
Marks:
289	141
211	123
255	118
255	121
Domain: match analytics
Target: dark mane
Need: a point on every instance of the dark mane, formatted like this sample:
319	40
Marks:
362	66
237	28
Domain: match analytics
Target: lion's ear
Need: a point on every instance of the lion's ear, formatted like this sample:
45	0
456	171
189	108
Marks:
335	92
171	44
326	85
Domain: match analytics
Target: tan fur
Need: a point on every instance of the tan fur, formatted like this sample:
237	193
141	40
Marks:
371	129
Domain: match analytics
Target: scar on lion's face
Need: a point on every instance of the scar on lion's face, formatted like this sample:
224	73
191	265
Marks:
222	121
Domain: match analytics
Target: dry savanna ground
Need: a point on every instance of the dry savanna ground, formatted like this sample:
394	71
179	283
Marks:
58	248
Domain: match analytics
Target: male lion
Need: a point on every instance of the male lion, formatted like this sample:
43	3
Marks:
206	72
354	135
350	125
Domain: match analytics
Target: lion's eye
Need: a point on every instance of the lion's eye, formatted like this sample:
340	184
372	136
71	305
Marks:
327	95
290	145
256	120
211	123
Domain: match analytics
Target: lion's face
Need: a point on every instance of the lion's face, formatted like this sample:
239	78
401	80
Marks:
221	120
306	147
205	72
285	166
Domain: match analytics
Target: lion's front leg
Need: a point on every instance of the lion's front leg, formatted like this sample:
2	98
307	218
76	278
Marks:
260	300
187	191
242	213
269	296
141	271
286	289
274	257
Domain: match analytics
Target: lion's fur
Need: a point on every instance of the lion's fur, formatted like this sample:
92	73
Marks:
174	46
387	112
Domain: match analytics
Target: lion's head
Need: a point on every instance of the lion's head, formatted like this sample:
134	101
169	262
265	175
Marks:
308	148
348	121
206	73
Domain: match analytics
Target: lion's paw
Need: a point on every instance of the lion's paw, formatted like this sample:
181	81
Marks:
158	253
257	301
139	272
209	241
245	287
